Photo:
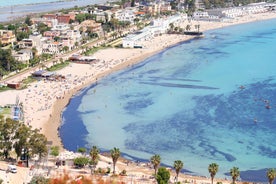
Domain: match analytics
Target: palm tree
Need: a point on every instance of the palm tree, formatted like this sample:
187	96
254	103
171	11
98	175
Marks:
235	173
188	27
213	169
155	161
197	27
171	26
271	174
178	165
115	154
94	154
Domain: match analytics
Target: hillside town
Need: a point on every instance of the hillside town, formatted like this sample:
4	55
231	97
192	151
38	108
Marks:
38	41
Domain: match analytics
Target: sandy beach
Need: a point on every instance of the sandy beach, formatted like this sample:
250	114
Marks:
43	101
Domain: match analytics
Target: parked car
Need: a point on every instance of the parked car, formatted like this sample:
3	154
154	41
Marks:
12	169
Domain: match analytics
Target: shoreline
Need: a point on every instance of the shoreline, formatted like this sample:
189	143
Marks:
83	75
133	61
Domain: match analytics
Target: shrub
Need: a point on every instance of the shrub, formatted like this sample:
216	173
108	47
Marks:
123	173
162	176
54	151
81	161
39	179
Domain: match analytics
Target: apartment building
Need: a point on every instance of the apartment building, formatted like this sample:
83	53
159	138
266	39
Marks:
7	37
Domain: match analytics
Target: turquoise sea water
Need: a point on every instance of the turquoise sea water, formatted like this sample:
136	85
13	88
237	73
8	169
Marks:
187	103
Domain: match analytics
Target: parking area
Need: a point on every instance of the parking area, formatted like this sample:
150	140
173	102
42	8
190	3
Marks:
21	176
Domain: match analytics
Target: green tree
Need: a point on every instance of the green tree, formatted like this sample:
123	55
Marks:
213	169
7	62
82	150
12	27
191	6
163	176
114	35
171	26
80	17
178	165
54	151
94	154
57	38
28	21
114	23
8	128
197	26
41	28
132	3
235	173
65	48
271	174
81	161
39	180
136	20
188	27
115	154
155	160
21	139
38	144
21	35
34	51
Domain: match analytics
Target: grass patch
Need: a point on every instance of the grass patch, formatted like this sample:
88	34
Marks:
27	81
58	66
4	111
115	42
4	88
91	51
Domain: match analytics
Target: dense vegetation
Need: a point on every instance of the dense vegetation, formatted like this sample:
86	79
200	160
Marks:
7	62
17	136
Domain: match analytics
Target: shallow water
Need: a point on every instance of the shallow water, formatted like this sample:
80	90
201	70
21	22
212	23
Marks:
15	3
13	9
187	103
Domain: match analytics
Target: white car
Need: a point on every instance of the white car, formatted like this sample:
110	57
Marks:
12	169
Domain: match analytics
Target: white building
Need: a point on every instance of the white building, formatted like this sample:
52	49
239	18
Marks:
34	41
159	26
51	48
127	14
256	8
200	15
69	38
49	23
226	12
61	27
136	39
163	24
102	16
23	55
232	13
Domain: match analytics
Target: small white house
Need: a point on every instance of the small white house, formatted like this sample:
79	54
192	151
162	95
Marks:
23	55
